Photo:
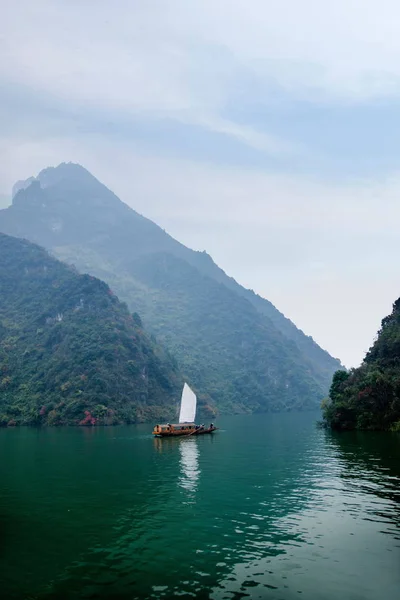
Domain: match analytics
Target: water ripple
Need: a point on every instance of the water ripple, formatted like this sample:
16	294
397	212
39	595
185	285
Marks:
270	508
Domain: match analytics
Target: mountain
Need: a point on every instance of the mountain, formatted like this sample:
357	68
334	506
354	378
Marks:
230	343
369	397
21	185
70	351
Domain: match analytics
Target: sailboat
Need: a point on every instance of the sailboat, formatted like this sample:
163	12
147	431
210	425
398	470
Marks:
187	414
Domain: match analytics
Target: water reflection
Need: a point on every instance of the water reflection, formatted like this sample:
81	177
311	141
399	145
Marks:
340	518
189	464
158	444
369	466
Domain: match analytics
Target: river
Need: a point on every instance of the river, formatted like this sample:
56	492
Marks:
267	507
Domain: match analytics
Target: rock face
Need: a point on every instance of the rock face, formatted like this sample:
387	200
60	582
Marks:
230	343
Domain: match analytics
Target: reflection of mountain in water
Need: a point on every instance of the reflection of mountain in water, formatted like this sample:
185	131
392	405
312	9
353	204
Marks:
342	500
369	464
189	463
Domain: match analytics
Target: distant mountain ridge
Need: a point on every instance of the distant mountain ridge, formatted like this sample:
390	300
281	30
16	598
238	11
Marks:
233	344
71	353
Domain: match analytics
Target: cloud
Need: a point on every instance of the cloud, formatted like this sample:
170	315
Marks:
347	49
180	56
299	83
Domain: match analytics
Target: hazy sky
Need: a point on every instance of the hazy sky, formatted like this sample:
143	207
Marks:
263	131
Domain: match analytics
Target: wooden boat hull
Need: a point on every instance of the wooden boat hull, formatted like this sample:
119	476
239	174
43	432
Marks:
185	433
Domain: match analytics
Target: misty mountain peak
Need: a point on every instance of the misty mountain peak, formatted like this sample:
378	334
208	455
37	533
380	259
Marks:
66	185
71	172
30	192
21	185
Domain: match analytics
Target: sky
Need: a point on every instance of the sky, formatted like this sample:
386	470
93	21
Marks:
265	132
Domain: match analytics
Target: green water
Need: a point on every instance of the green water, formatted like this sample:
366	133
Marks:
268	507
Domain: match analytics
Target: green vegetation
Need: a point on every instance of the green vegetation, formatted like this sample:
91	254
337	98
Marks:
369	397
70	351
233	345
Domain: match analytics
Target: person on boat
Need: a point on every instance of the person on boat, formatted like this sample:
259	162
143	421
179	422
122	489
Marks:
212	426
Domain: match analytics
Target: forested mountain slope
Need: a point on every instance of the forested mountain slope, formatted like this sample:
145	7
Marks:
369	397
232	344
70	351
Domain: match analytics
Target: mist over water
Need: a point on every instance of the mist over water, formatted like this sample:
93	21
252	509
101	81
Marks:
268	507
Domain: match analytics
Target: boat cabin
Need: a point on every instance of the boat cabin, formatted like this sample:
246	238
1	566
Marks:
174	429
182	429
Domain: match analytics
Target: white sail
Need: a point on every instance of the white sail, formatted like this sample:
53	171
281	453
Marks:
188	405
